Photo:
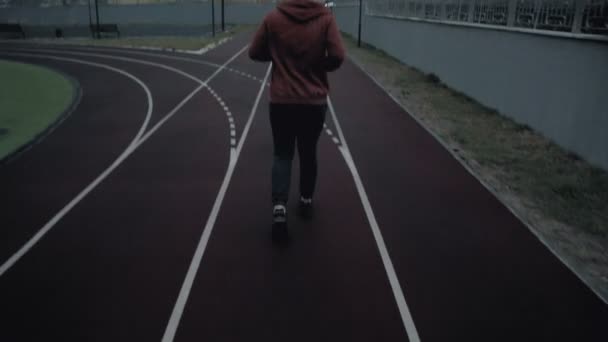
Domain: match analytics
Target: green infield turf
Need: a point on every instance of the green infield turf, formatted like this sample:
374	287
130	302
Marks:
32	98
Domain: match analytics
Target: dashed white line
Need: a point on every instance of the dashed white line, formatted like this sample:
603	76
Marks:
177	58
184	293
162	66
137	141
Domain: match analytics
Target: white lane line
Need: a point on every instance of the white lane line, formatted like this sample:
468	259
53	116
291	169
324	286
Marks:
199	52
118	58
184	293
50	224
177	58
406	316
336	141
162	66
168	116
207	48
130	149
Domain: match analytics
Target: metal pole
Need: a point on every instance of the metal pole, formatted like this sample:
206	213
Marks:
359	34
511	12
97	17
223	24
213	18
577	22
90	18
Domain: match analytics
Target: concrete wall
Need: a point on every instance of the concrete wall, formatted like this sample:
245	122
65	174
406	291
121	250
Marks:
556	85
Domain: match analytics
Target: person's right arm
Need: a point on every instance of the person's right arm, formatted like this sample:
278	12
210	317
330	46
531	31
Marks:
335	47
259	49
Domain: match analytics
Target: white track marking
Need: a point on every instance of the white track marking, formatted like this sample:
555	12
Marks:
207	48
139	139
177	58
118	58
184	293
168	116
406	316
412	114
162	66
50	224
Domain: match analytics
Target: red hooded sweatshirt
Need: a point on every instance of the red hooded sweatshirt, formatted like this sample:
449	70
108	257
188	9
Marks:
302	40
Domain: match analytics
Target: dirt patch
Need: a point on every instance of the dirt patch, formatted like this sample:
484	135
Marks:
562	198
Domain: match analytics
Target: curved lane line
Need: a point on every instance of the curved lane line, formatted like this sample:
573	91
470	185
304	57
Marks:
166	67
134	51
204	84
50	224
159	55
130	149
118	58
184	292
183	59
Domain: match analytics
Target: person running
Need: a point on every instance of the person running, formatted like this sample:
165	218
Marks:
301	39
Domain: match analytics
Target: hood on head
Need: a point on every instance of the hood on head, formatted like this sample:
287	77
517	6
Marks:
302	10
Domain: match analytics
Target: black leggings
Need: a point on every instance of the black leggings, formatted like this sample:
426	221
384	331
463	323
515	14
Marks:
291	123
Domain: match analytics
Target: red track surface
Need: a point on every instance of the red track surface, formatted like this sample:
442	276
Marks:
112	268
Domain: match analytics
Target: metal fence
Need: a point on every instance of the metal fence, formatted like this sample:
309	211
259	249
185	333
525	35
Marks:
74	18
67	3
578	16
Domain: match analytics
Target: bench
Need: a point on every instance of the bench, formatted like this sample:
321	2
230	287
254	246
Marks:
12	30
105	28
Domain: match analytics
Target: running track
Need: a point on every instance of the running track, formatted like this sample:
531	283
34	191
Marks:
153	221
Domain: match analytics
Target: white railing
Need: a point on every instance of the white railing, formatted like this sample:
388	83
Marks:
578	16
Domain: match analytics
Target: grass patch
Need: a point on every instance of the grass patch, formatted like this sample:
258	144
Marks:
546	177
178	43
167	42
31	99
